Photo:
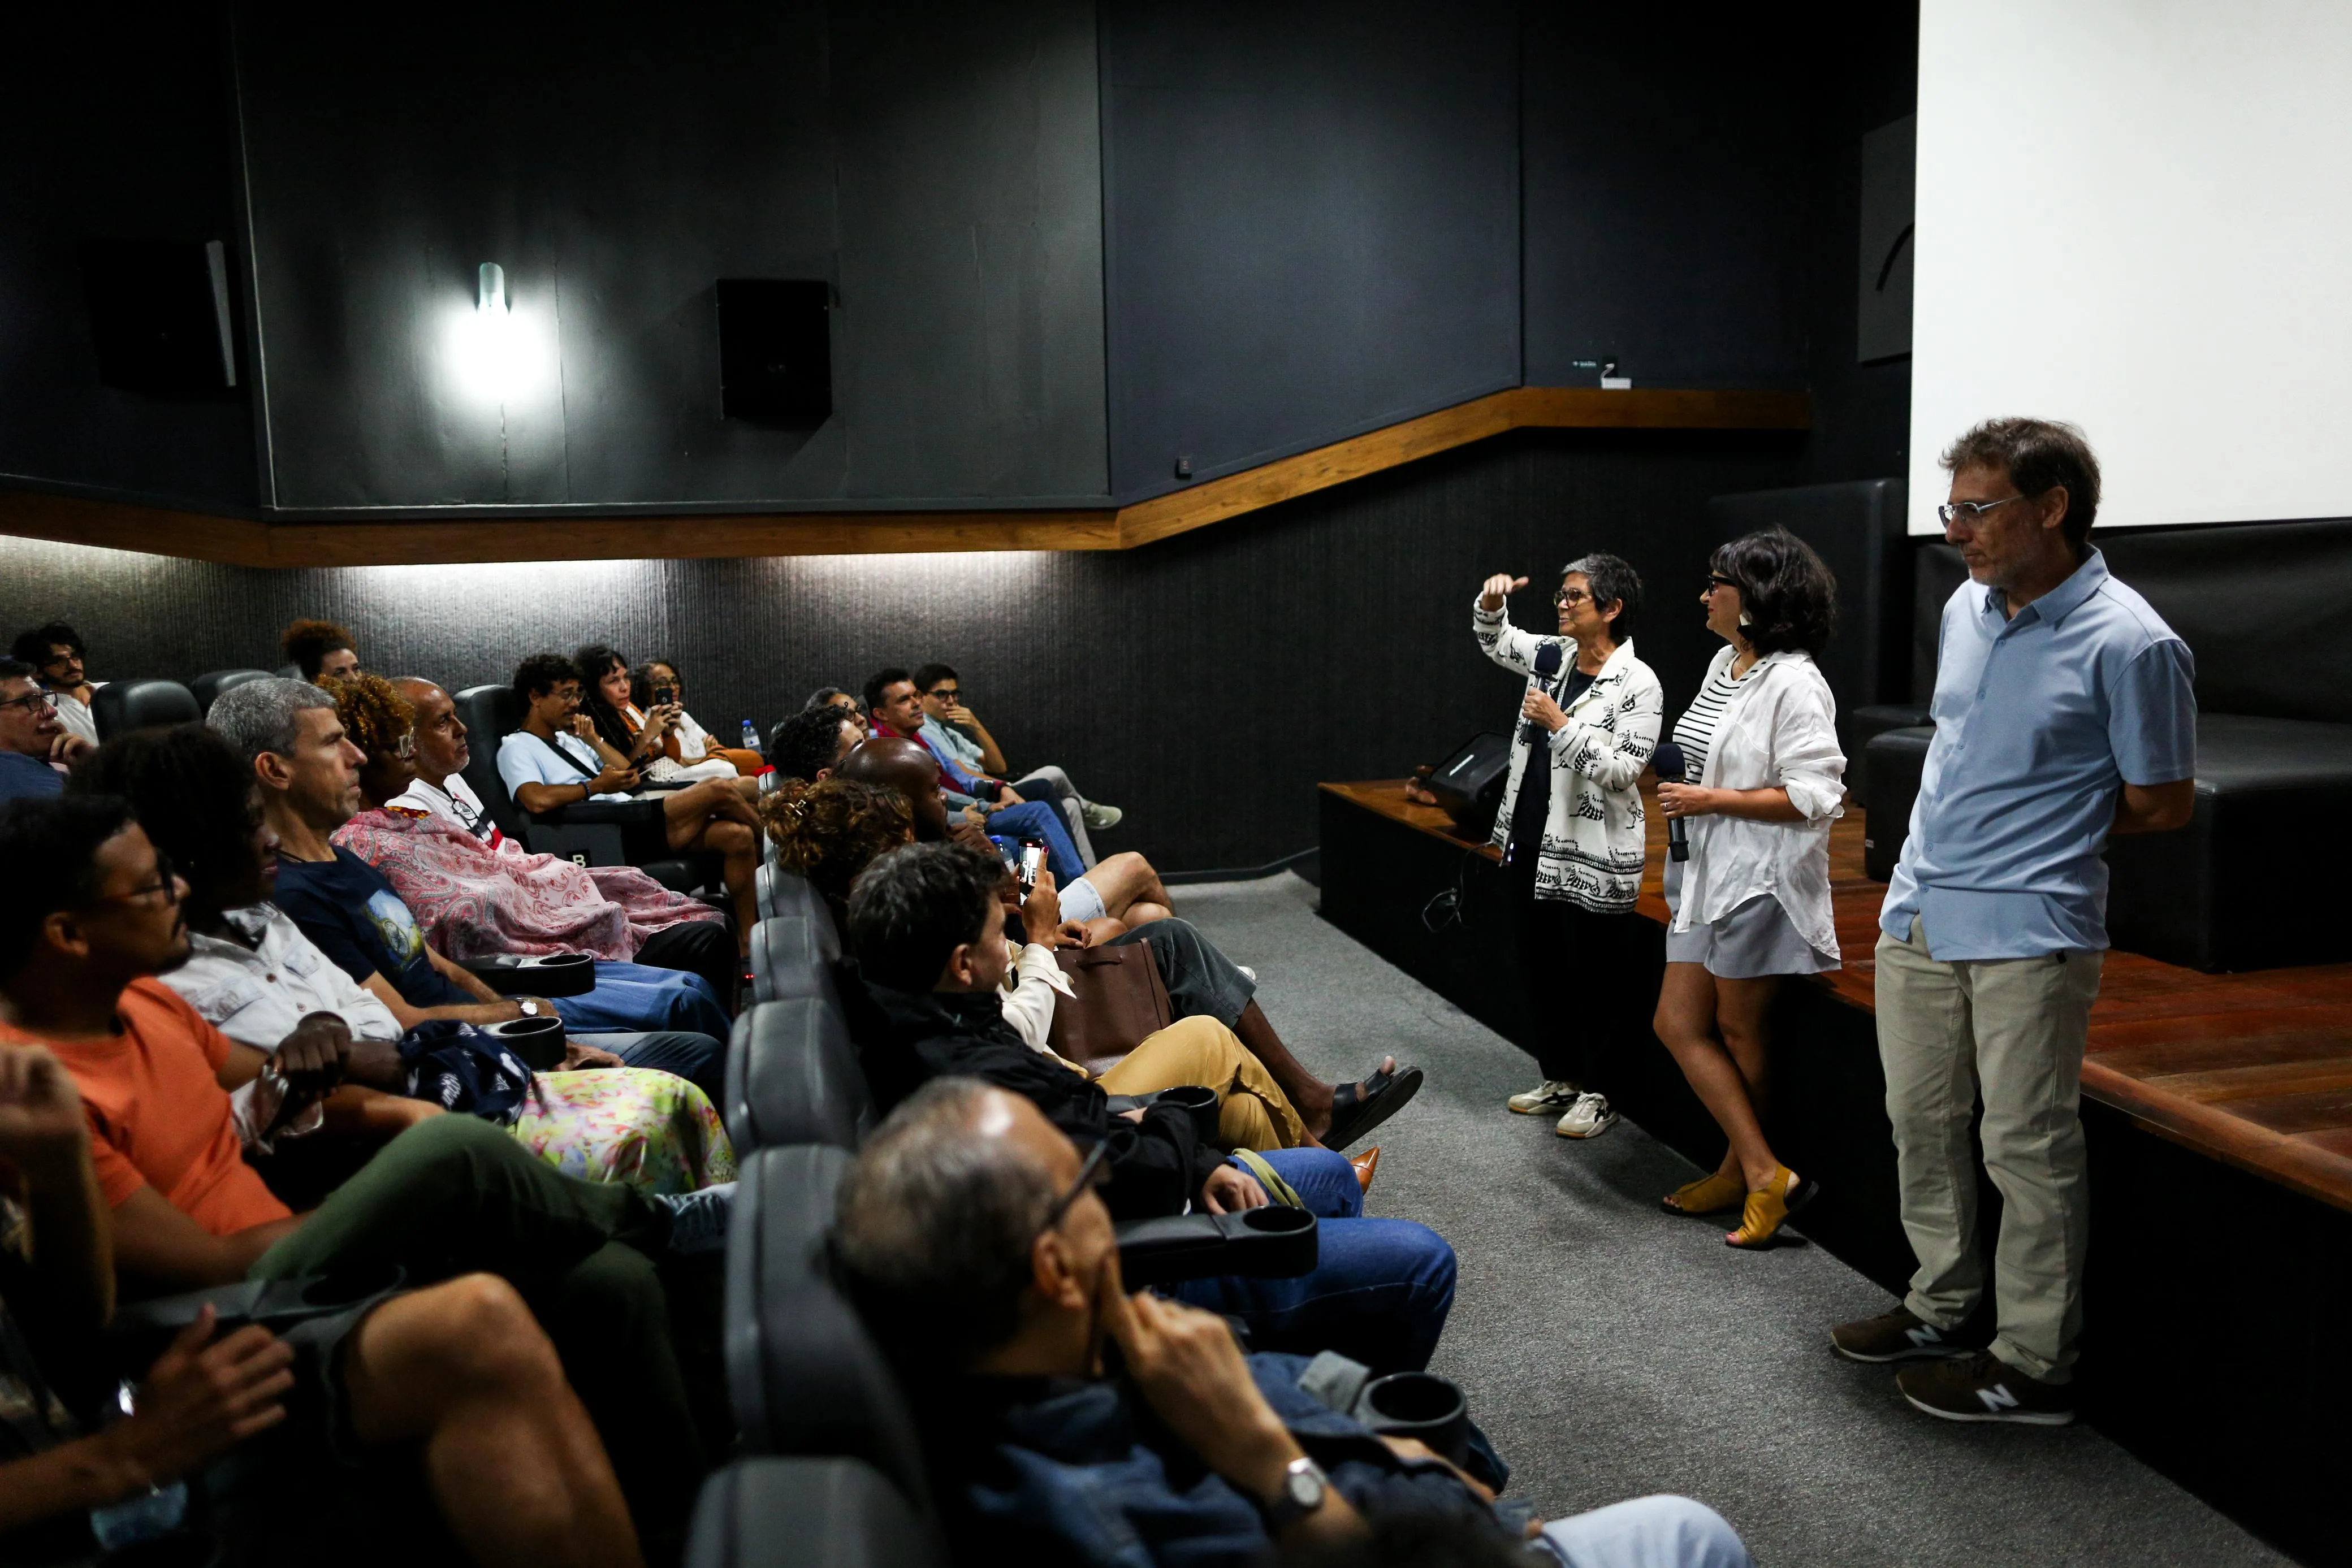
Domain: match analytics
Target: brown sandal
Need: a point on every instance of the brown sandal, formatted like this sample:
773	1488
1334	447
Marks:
1709	1195
1769	1207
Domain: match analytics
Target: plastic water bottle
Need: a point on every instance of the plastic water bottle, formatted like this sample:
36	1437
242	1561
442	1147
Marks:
751	739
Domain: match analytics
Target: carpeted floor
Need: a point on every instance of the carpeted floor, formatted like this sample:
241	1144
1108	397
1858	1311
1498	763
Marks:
1612	1350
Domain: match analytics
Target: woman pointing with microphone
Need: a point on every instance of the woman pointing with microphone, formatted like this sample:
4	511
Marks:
1570	827
1763	780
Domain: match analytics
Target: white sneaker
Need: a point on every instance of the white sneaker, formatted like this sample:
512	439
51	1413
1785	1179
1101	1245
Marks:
1588	1118
1098	818
1552	1095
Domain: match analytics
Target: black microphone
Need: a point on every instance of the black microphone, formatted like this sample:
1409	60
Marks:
1547	661
1672	770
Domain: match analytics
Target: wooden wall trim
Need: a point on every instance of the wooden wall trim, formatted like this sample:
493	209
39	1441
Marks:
240	541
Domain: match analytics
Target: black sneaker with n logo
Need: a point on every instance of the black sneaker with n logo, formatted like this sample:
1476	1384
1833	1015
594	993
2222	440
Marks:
1899	1335
1986	1388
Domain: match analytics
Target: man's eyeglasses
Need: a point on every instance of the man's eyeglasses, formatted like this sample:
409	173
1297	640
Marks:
1569	596
34	702
166	884
1093	1173
944	694
1953	512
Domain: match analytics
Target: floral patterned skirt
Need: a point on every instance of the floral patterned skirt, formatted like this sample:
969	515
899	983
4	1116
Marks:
654	1131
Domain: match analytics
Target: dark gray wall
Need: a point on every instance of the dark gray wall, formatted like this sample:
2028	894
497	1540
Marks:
936	161
1861	71
113	124
1310	220
1205	683
1665	196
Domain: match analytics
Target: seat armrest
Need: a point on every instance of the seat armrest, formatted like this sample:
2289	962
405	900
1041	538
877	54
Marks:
1270	1242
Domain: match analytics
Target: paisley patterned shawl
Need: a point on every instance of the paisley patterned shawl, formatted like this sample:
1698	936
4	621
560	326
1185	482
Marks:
474	901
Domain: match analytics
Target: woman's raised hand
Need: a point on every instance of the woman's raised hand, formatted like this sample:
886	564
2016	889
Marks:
1499	587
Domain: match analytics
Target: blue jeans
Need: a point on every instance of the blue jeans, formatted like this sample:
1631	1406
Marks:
699	1058
1040	820
632	997
1381	1289
1660	1531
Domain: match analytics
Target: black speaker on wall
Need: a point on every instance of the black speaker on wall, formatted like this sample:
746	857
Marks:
775	349
158	315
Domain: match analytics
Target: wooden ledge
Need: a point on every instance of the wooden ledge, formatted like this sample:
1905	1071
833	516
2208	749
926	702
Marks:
241	541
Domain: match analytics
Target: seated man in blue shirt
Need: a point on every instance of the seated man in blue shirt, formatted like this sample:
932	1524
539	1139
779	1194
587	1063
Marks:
32	737
2064	712
308	775
898	710
953	730
979	1250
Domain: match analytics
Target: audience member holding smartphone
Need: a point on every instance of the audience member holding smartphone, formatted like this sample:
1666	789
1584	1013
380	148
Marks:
659	684
641	736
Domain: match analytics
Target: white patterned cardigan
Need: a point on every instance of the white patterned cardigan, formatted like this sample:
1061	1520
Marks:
1595	838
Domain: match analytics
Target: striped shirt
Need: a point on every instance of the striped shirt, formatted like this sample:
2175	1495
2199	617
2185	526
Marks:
1695	731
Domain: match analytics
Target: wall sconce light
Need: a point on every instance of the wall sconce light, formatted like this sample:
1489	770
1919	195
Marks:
493	348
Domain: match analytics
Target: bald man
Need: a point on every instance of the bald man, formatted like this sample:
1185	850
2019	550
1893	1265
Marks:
440	789
1123	887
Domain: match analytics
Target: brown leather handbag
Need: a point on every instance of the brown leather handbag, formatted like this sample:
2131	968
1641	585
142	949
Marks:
1120	999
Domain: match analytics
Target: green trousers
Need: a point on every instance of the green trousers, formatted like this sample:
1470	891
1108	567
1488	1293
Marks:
456	1195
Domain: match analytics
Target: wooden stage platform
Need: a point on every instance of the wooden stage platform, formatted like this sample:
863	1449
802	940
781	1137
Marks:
2254	1069
2218	1111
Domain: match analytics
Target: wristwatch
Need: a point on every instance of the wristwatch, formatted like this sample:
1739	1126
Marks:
1304	1488
533	1008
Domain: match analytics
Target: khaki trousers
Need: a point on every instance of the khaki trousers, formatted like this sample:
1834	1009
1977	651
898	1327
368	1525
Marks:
2011	1029
1252	1112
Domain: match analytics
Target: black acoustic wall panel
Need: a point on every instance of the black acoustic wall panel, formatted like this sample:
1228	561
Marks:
1857	529
1310	223
116	122
1666	195
935	162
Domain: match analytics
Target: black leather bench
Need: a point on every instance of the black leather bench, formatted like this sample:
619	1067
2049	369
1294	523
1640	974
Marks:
2225	893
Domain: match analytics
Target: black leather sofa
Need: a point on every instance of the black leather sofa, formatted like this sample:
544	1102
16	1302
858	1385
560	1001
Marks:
2257	605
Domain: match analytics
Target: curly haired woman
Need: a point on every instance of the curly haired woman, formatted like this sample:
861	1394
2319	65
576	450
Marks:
318	648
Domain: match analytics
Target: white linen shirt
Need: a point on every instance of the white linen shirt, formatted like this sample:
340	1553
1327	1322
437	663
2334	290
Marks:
256	995
1030	986
1779	730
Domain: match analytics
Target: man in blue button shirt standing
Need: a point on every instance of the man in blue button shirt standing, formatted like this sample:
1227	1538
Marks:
2063	713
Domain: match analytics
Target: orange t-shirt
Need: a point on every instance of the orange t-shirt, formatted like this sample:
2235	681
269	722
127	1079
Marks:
158	1115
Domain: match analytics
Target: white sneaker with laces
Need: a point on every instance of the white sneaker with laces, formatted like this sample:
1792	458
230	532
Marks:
1551	1096
1588	1118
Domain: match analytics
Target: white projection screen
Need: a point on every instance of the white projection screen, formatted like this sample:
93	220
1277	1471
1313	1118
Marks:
2136	214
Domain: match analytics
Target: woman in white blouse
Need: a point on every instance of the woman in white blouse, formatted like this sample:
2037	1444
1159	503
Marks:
1752	902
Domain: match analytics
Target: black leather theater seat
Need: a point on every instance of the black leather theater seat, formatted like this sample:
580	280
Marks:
593	832
803	1373
207	687
793	955
806	1513
792	1077
121	706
